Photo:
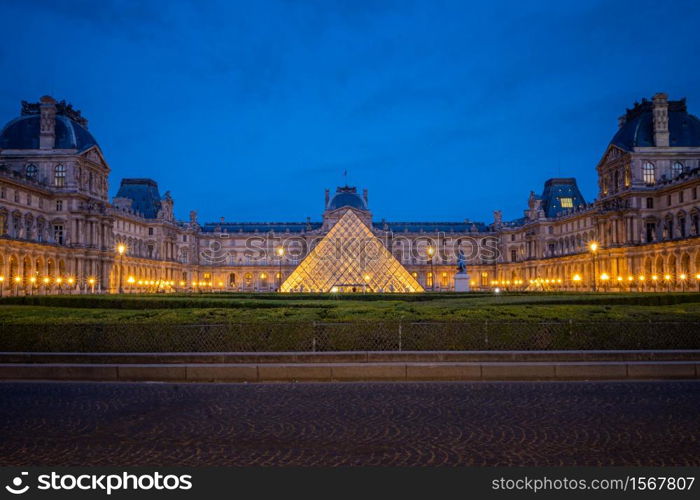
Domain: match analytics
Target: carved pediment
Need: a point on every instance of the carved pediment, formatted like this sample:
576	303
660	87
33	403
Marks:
612	154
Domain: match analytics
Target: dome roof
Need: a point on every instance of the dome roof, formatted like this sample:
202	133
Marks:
347	197
23	133
638	128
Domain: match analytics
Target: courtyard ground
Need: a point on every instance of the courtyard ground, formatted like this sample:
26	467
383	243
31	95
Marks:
387	424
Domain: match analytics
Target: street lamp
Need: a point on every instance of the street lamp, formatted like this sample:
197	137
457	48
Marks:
593	247
431	253
18	280
683	278
697	278
604	278
2	283
280	254
121	248
576	279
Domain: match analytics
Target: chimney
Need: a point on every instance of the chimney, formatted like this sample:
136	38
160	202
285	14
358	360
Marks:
364	195
47	128
661	135
328	197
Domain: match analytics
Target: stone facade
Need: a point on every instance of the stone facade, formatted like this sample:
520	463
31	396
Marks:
60	234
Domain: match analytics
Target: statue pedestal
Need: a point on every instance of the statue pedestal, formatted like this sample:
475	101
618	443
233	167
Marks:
462	282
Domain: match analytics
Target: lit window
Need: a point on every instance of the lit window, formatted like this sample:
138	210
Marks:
649	173
566	202
59	176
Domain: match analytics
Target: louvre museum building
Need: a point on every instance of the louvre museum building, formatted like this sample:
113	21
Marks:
60	232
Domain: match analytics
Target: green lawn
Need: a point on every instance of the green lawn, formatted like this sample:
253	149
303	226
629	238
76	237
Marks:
223	308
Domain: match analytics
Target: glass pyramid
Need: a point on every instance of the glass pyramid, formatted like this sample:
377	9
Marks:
350	259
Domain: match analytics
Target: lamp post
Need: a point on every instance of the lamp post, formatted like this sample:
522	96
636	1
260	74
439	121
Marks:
697	278
280	254
18	280
593	247
121	248
2	283
431	253
683	278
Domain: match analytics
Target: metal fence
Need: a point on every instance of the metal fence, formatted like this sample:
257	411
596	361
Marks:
355	336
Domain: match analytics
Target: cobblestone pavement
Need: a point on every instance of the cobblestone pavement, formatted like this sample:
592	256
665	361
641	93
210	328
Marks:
556	423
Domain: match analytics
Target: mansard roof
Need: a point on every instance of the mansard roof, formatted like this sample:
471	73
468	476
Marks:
555	190
638	127
23	133
144	196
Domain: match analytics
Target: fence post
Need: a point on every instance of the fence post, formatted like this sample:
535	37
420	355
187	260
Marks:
313	337
400	337
486	332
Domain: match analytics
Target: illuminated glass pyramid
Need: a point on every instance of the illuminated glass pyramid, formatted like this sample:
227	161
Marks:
350	259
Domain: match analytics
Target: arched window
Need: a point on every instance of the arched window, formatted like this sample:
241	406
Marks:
31	171
59	176
676	169
649	173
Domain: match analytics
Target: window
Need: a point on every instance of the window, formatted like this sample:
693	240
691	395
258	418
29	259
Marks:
512	237
16	196
650	202
59	176
429	279
628	176
513	255
30	171
59	205
649	173
651	230
681	226
58	234
676	169
695	193
444	280
150	231
184	237
3	192
29	199
680	197
566	202
668	200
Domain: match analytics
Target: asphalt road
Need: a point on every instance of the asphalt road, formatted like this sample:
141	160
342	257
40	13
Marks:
396	424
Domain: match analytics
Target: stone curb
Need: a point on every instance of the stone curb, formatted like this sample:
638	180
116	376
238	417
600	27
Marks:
352	372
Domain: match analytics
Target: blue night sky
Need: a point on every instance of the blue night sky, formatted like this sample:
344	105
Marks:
443	110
